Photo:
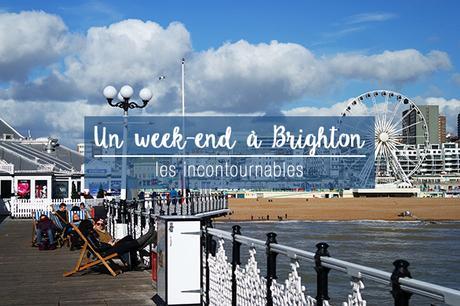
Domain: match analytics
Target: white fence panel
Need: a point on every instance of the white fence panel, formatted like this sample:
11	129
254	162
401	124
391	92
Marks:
24	208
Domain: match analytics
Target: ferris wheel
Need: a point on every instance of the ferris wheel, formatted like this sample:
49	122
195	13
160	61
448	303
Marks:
400	128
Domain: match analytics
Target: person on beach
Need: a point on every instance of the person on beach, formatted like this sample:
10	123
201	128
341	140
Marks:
126	247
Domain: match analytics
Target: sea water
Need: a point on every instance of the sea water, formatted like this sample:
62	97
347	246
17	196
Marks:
432	249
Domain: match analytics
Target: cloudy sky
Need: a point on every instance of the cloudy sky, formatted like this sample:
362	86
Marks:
242	57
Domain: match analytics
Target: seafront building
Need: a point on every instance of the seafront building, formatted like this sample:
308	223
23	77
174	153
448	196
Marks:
458	125
414	134
439	171
37	169
442	129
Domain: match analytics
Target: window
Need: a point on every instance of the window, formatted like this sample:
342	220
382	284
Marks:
23	189
41	189
60	190
7	136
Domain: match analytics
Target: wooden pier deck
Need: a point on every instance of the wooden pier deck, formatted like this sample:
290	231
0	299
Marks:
32	277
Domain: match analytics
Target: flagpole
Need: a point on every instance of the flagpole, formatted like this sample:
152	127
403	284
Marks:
183	87
183	129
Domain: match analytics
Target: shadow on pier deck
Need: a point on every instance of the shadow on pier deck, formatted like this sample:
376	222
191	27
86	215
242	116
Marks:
32	277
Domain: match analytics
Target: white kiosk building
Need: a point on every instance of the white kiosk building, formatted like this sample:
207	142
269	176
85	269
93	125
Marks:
37	170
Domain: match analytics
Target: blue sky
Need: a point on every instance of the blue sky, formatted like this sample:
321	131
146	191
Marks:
361	30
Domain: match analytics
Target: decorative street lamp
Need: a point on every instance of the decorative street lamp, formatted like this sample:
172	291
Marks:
124	96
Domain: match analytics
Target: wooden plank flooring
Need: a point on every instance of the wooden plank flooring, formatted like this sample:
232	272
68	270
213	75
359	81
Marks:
32	277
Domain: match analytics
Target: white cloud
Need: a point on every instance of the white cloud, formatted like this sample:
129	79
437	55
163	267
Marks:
391	67
243	77
30	40
333	110
456	78
128	51
370	17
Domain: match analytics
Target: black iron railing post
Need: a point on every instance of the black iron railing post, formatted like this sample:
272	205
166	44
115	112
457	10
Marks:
132	217
209	249
271	266
174	203
128	221
192	205
150	221
119	212
187	205
321	274
400	296
236	260
125	211
143	219
114	213
168	207
150	218
160	202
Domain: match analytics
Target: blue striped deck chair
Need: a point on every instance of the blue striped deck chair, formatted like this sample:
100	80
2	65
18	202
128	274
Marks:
81	215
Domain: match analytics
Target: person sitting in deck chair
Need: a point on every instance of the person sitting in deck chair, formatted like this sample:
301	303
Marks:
125	247
75	241
100	226
45	225
63	214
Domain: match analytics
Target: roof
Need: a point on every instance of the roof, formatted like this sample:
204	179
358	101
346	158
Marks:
7	129
30	155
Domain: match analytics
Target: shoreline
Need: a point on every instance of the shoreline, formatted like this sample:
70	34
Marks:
437	221
340	209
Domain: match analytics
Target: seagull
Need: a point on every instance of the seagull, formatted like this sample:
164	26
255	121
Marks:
161	77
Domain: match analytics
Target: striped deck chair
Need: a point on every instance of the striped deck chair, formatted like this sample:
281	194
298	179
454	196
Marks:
35	217
81	215
90	257
60	224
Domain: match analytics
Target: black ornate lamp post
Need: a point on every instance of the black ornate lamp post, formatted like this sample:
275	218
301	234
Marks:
124	96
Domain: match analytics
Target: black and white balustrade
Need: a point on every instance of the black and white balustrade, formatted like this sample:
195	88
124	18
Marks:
228	282
181	206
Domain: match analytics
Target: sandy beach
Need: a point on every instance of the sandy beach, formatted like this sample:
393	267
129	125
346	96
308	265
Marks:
436	209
